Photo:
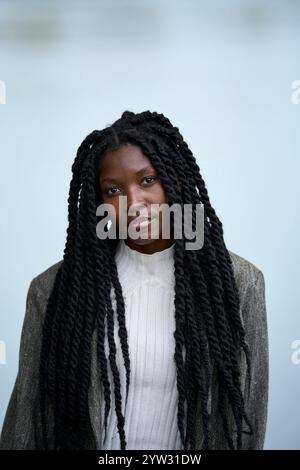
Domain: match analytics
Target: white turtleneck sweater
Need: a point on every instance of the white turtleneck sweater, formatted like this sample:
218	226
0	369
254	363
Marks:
148	283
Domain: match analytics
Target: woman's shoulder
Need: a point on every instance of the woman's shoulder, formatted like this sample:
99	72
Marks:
43	282
245	271
251	286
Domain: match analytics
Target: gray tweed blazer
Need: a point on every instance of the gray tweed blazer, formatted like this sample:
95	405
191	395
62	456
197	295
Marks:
21	427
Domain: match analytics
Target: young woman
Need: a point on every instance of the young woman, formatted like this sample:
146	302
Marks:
139	343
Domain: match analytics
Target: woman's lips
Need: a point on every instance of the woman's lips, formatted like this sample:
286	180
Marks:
141	223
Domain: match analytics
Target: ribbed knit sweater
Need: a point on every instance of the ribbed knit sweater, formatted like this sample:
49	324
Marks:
147	282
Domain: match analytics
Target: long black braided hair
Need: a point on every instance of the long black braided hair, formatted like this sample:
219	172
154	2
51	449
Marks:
208	324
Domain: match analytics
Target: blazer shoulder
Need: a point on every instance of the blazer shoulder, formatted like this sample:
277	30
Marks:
245	271
44	281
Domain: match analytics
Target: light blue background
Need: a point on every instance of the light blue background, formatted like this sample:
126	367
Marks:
222	72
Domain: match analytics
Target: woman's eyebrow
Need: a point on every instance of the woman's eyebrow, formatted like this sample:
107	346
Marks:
112	180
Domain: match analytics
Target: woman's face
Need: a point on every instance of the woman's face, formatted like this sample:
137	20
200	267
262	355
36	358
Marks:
128	172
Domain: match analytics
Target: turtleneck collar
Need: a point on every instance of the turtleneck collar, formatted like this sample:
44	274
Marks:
137	256
134	263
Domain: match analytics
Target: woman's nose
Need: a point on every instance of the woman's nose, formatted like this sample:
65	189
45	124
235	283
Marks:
136	200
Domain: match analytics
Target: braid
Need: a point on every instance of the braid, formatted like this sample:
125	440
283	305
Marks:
190	172
207	311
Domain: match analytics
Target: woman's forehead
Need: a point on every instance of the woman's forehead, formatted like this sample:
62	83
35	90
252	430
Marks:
123	161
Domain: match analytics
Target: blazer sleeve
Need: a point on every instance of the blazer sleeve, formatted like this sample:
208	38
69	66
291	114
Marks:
18	430
256	395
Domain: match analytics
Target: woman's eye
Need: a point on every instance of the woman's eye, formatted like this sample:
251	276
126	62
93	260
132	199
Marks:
106	191
150	178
